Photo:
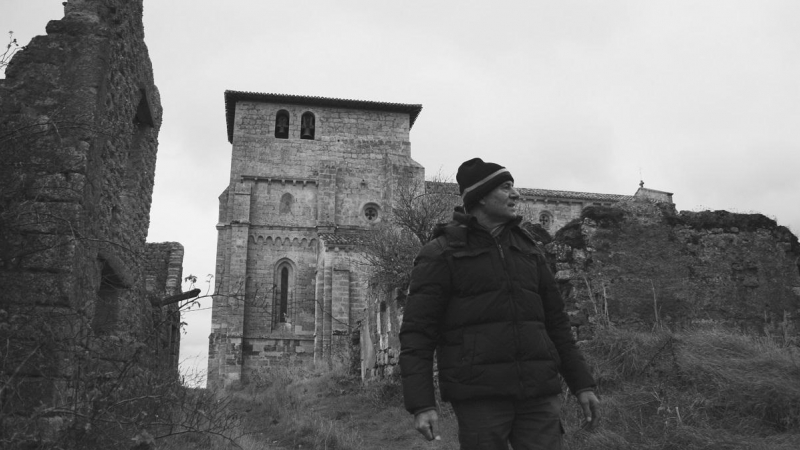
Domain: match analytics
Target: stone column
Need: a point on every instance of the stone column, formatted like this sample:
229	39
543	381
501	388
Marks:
232	292
326	307
318	311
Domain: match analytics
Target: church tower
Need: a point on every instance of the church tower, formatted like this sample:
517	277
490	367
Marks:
308	175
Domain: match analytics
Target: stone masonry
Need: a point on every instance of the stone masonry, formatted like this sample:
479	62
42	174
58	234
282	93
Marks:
641	265
80	116
307	174
163	272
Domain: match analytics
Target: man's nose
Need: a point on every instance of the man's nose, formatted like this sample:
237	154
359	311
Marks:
514	193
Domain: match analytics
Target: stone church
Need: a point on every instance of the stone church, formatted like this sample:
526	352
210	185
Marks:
308	174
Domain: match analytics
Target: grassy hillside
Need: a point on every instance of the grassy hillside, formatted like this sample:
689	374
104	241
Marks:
708	389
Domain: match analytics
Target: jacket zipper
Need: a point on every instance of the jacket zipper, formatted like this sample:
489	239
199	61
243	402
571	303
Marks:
513	313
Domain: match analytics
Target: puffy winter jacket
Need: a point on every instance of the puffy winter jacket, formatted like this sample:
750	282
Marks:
490	308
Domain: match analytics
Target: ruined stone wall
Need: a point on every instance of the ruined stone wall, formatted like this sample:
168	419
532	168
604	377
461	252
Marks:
380	328
163	267
79	120
640	265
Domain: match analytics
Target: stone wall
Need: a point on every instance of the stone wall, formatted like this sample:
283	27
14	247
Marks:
379	340
341	135
163	268
79	120
641	265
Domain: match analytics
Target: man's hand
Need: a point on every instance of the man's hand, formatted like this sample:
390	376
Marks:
591	408
427	423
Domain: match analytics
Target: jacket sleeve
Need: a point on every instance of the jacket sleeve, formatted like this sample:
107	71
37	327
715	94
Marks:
425	308
573	366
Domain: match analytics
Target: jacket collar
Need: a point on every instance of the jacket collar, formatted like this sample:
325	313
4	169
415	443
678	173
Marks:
462	218
465	220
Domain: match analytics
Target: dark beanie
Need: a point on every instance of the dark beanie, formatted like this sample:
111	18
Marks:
477	178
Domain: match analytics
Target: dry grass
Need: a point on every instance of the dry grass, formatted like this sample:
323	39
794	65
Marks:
706	389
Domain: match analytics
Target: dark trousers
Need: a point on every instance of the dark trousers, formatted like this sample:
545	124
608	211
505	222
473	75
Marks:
491	424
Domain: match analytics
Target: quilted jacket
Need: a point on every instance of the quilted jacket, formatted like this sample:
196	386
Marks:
490	309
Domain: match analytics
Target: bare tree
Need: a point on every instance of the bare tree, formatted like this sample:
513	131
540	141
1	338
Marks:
11	48
391	246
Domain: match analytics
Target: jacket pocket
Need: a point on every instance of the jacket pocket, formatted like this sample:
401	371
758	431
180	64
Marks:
474	271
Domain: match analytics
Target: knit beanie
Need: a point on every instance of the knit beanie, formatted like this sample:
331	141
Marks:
477	178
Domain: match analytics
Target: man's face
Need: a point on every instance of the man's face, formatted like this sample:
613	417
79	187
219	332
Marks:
501	203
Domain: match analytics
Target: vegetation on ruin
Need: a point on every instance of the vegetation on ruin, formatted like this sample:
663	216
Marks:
11	49
119	393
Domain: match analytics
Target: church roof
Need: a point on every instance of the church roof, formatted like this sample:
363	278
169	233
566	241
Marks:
549	194
572	195
231	97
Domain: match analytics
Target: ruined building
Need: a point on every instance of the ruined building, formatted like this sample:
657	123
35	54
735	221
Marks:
82	291
308	176
642	265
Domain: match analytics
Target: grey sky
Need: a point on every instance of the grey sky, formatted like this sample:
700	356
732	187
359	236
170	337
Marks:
700	97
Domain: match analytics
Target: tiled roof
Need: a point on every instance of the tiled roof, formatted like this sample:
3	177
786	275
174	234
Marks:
231	97
340	239
550	194
525	192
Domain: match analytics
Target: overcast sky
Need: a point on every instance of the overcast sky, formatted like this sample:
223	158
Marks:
697	98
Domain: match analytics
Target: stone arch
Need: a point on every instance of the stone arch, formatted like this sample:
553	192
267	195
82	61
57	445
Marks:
283	292
287	200
107	311
269	241
282	124
307	125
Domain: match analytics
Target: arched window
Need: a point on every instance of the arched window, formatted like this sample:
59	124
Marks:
286	203
307	126
283	292
107	307
283	305
282	125
546	220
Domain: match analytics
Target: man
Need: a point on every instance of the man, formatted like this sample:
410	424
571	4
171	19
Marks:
483	298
